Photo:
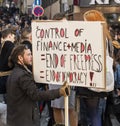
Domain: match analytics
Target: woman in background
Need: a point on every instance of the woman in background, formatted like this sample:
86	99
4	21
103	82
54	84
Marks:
92	99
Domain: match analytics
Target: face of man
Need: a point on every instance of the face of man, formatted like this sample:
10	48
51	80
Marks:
26	59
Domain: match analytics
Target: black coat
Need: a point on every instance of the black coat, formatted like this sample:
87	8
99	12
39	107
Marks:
4	56
22	94
5	53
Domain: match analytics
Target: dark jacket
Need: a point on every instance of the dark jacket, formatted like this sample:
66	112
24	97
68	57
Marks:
85	92
5	53
22	93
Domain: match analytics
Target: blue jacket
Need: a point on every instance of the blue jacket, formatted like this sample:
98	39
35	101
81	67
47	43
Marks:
117	75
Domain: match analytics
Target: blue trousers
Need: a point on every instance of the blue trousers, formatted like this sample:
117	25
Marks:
92	112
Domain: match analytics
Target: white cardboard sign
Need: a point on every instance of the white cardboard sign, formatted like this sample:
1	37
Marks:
70	51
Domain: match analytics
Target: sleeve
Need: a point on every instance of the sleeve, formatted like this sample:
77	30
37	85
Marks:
28	86
5	53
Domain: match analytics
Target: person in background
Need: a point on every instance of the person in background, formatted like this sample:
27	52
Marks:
58	104
118	36
7	45
38	116
94	102
117	70
22	91
26	37
112	113
116	43
116	108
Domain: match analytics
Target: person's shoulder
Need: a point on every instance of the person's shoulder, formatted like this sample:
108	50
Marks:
19	70
25	42
8	43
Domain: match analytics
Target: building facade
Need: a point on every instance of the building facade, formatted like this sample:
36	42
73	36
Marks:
71	7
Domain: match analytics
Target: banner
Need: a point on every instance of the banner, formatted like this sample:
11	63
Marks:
70	51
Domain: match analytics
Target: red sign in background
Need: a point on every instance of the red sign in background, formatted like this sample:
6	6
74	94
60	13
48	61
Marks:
38	11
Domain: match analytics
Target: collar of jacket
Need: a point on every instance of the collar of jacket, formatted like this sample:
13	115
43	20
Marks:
23	67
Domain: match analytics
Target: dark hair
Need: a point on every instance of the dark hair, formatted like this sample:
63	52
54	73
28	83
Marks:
25	31
6	32
17	50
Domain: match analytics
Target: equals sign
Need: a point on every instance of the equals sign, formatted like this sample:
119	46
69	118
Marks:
41	72
42	56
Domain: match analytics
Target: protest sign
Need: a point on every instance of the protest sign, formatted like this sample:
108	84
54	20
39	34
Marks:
69	50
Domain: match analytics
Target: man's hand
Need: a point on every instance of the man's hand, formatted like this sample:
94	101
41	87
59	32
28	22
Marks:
65	89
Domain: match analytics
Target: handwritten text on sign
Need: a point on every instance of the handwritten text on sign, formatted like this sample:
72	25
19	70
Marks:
68	50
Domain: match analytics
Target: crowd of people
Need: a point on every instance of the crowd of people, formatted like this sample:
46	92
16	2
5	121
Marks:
24	102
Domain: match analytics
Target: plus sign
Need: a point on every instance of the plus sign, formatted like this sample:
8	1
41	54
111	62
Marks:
68	46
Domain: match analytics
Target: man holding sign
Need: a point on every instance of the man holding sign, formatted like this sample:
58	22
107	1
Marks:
22	91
